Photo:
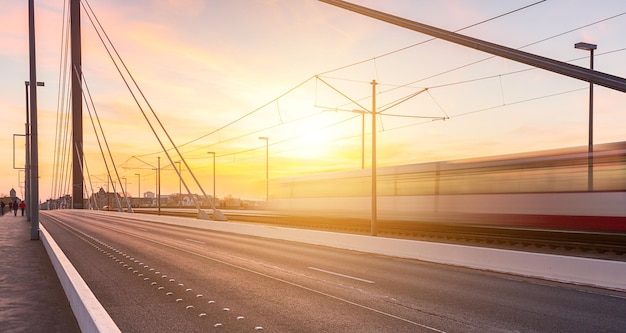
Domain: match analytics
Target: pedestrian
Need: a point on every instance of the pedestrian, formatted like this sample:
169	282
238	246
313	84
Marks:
22	206
2	204
15	206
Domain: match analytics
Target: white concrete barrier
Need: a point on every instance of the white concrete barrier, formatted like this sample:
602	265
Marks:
591	272
89	313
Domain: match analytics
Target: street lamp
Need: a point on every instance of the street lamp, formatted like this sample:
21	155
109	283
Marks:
589	47
125	186
373	227
267	191
213	153
138	185
29	203
158	185
180	180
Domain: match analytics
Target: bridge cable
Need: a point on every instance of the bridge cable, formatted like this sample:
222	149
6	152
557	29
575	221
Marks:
216	214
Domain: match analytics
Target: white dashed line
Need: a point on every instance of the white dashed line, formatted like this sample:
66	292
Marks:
339	274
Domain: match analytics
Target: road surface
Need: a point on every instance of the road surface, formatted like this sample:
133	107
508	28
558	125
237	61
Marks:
158	278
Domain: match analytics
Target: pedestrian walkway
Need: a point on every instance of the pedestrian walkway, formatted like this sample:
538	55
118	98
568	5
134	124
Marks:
31	296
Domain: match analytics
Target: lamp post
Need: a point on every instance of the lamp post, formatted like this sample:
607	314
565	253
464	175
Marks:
138	188
213	153
589	47
29	203
33	173
125	185
138	185
159	184
267	192
180	180
373	227
124	190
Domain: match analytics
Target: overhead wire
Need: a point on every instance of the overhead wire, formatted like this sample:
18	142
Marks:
486	58
318	76
275	100
431	39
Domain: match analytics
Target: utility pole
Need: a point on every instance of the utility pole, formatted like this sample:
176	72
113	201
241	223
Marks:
77	107
373	229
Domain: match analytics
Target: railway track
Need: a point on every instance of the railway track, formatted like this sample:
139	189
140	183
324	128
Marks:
599	245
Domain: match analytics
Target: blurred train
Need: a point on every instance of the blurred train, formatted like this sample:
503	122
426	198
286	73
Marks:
539	189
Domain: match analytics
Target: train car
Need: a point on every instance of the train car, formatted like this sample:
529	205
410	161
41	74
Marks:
539	189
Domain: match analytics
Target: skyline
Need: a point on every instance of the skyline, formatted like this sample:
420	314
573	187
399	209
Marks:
203	65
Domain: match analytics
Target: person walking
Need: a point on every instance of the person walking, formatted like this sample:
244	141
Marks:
15	206
2	204
22	206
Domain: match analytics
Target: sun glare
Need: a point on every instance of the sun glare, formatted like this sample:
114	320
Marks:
310	143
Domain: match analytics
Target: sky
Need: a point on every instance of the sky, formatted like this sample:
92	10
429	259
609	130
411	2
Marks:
221	74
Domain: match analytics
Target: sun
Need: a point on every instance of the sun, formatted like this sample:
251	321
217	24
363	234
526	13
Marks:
311	143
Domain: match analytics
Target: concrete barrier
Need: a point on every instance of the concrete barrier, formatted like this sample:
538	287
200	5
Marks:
574	270
89	313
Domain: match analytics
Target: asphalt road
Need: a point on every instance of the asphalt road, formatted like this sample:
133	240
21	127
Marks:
156	278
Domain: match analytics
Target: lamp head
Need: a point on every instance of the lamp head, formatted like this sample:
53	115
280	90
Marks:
585	46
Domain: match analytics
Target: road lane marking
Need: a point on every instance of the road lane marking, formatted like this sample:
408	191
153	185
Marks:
339	274
195	241
294	284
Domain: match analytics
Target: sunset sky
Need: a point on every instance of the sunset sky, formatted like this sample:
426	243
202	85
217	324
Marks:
221	74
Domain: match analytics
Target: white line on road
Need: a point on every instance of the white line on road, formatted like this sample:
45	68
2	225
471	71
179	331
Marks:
252	271
195	241
339	274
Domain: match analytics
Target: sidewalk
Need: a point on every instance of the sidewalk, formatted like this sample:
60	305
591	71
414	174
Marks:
31	296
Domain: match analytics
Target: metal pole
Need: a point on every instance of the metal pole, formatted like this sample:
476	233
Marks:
159	183
590	157
180	181
77	107
124	190
27	167
138	189
267	172
374	194
27	195
589	47
138	185
213	153
34	174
